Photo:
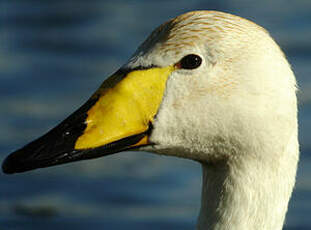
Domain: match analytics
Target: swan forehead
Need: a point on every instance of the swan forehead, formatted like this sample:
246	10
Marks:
208	32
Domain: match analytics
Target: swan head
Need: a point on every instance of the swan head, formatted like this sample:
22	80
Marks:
238	95
203	86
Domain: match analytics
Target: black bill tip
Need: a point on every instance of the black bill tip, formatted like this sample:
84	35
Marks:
39	155
8	165
48	149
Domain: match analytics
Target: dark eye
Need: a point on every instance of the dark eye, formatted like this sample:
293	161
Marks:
190	61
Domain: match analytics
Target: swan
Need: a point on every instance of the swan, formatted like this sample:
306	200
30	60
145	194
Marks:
207	86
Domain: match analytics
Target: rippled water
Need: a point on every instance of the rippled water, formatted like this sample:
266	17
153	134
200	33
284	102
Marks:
53	54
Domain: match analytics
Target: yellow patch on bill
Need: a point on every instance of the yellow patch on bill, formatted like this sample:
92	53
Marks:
125	109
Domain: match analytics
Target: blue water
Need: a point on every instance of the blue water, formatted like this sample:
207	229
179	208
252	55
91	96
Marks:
54	54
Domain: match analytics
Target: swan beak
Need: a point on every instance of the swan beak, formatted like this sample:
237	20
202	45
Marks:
117	117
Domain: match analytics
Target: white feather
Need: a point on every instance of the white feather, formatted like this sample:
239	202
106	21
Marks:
236	114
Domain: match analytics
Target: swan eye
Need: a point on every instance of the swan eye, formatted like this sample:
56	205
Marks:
190	61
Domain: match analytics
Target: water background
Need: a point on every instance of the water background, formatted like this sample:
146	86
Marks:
54	54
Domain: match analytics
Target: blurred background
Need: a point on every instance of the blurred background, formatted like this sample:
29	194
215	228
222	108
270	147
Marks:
54	54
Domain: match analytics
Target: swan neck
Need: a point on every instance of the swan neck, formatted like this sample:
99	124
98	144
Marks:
245	195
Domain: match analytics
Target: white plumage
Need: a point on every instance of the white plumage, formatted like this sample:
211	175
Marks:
236	114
